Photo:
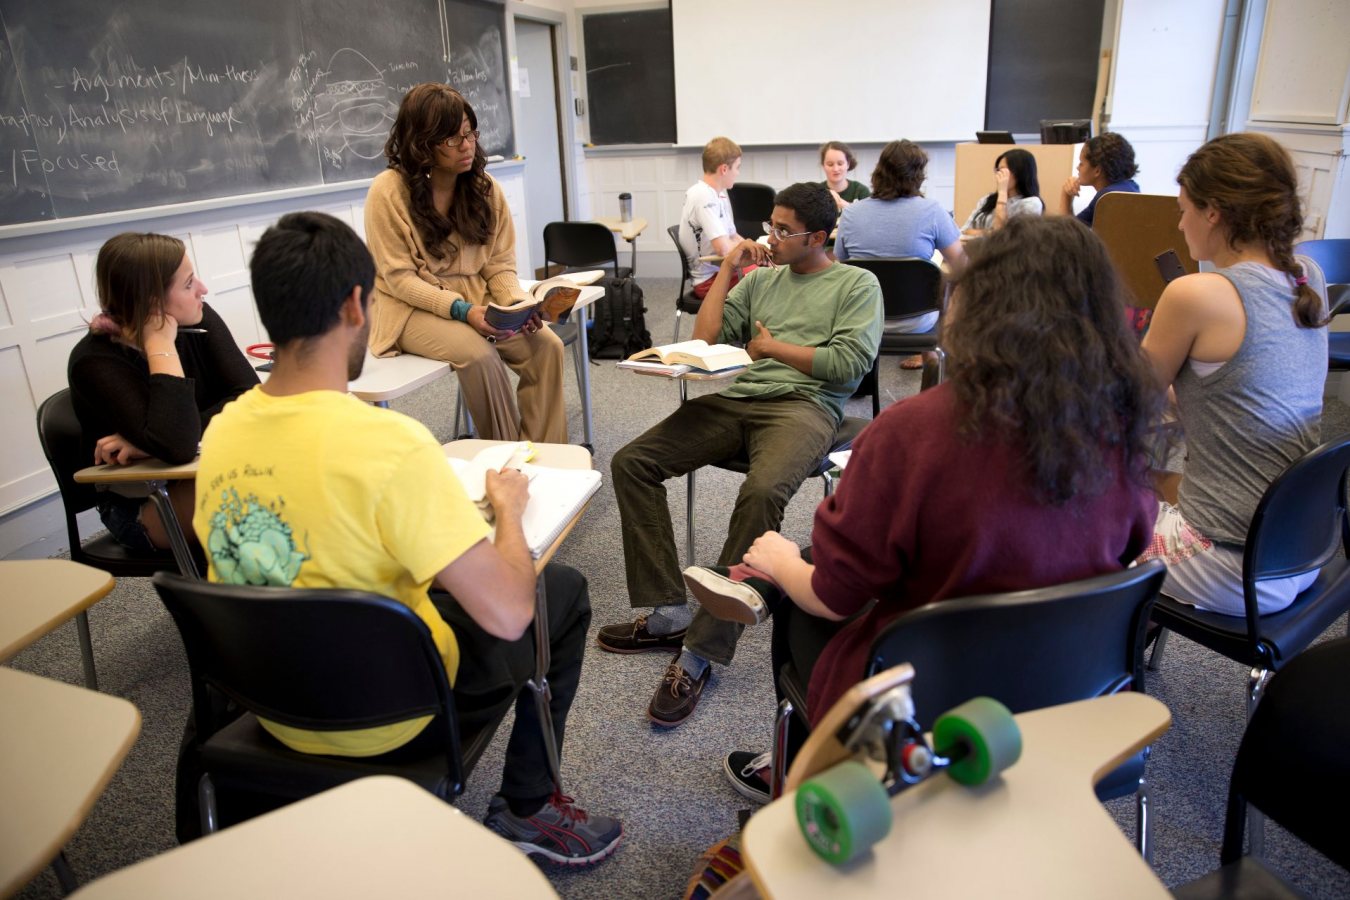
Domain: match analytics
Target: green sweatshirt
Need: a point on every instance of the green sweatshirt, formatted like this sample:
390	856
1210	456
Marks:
837	311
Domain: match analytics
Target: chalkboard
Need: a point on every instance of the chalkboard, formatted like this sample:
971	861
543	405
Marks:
630	76
139	103
477	44
1042	62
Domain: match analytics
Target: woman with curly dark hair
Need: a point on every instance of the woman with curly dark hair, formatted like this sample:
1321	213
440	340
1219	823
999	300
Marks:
1105	164
444	247
1245	350
1027	468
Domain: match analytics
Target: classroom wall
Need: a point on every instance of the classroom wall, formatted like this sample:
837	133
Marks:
1162	82
1299	93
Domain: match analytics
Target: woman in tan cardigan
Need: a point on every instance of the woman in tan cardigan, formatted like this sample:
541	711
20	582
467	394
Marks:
444	247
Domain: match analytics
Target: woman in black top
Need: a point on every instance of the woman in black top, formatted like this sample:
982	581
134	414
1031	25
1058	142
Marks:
154	368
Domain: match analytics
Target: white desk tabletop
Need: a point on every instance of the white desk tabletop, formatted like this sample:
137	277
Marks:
627	230
389	377
376	837
145	470
1036	831
60	745
40	594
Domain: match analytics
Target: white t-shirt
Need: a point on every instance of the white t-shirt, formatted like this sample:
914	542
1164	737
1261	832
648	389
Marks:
706	215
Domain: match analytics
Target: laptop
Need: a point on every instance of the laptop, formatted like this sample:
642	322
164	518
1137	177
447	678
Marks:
994	137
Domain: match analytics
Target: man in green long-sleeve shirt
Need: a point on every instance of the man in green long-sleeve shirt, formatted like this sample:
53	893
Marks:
812	327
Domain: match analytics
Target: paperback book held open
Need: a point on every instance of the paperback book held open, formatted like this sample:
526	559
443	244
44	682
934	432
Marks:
556	495
695	355
553	298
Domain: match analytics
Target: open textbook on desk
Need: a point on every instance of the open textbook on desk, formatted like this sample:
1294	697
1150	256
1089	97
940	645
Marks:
676	359
556	495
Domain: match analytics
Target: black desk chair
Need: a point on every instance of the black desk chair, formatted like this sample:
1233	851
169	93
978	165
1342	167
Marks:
583	245
1292	766
1027	649
1332	256
322	660
751	207
685	301
1299	525
910	287
63	445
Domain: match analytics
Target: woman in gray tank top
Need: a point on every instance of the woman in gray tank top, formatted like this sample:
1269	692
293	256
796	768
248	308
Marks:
1244	349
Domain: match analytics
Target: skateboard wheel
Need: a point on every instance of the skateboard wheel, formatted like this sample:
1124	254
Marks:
843	811
982	731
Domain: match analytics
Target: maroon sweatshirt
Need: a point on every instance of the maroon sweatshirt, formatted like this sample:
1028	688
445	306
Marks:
923	514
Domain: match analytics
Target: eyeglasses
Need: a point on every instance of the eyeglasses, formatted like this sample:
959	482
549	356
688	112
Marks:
780	233
459	141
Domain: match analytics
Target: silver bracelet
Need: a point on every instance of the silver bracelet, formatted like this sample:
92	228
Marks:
160	353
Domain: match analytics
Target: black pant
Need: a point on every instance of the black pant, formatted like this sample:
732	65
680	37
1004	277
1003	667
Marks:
493	673
492	676
798	638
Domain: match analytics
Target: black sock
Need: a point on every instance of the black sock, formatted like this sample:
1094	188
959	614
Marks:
524	808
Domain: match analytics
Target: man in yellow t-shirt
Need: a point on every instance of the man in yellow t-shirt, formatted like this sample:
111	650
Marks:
302	485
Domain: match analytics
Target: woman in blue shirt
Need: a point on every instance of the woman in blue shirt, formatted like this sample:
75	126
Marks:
1105	164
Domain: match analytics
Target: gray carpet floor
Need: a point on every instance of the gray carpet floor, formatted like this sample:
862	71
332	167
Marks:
667	786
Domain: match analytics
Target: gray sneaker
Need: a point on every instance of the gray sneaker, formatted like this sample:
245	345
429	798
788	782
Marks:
559	832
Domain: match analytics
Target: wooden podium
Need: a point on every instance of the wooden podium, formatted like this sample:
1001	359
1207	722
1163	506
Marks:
975	172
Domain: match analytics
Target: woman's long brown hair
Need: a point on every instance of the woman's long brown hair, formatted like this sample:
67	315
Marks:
1250	179
1038	346
429	114
132	275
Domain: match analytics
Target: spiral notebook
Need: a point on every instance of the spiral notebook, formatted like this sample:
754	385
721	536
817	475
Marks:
556	495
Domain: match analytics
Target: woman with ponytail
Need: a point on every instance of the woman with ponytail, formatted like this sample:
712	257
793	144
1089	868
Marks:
1244	348
444	247
154	368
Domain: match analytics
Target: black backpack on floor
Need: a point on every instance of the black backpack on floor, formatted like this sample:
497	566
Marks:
619	320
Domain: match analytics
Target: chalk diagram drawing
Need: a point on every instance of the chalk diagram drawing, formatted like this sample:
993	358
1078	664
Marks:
353	111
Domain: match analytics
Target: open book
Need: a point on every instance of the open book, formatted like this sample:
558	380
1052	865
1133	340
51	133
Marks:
556	495
553	298
695	354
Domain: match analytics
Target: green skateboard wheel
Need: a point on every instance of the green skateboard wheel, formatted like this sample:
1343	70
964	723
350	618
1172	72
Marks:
843	811
984	729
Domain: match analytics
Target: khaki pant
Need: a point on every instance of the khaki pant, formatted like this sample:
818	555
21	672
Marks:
537	359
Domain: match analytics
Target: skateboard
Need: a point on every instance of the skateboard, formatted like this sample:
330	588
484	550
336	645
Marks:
843	807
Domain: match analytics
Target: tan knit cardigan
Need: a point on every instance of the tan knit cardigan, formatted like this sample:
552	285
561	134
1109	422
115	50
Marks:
410	276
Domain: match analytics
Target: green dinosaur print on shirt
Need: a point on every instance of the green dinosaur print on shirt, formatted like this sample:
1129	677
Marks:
249	543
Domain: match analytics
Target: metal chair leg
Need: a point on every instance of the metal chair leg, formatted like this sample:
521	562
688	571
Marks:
65	876
778	767
1257	680
582	356
676	338
689	483
206	805
539	683
86	650
1155	658
182	554
1142	822
469	430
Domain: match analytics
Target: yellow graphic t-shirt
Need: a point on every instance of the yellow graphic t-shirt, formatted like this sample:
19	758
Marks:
320	490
